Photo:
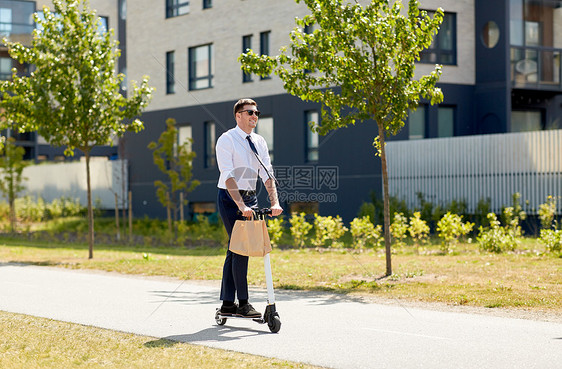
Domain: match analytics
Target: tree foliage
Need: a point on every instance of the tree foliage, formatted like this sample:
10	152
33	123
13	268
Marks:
175	161
12	165
72	97
359	63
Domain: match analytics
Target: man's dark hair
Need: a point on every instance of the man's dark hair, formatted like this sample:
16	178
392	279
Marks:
240	104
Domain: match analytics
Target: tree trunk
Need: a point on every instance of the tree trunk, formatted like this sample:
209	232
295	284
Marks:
386	202
12	200
123	189
169	212
117	218
90	208
12	213
130	216
181	207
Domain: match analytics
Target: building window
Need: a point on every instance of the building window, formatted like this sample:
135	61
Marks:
176	7
185	134
309	29
5	21
16	19
264	46
210	144
534	23
536	42
246	45
311	137
6	65
304	207
103	25
445	121
416	123
207	4
201	67
123	9
526	120
443	49
204	207
265	129
5	68
170	72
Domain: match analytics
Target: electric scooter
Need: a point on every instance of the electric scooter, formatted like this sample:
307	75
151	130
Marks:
270	316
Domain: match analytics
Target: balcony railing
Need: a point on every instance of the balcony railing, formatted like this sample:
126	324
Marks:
536	68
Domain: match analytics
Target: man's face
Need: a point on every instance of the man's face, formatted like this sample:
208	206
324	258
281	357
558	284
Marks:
246	121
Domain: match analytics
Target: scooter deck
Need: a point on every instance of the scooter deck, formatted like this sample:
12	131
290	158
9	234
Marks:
233	316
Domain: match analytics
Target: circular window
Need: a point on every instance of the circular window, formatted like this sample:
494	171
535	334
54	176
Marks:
490	34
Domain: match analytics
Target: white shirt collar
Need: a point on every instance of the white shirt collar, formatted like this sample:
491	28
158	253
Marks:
242	134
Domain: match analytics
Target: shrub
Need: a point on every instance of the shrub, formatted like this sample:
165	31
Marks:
365	233
399	228
419	230
513	215
275	229
367	209
183	232
299	229
450	227
395	205
328	231
551	239
202	229
483	208
496	238
30	209
547	212
512	222
426	208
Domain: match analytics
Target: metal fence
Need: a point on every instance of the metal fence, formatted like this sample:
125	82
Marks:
472	168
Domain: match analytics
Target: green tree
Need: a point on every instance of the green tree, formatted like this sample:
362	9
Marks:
12	165
359	63
175	161
72	98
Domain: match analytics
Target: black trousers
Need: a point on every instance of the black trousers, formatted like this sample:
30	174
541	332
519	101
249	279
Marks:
235	270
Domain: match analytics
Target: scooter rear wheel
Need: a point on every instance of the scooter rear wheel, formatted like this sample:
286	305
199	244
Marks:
219	319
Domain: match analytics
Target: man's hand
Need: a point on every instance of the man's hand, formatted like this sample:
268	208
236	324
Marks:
247	212
276	210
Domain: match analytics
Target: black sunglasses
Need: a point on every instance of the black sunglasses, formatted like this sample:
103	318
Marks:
251	112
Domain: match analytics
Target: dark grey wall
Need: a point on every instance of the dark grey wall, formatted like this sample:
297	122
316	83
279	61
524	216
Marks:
493	83
349	150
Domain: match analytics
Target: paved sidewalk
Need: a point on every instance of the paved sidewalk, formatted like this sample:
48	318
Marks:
317	328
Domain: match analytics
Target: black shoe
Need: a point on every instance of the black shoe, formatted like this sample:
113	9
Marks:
247	311
229	310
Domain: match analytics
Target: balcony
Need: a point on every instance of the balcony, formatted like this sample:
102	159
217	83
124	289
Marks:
537	68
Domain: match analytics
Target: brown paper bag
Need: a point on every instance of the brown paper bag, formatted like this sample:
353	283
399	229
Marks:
250	238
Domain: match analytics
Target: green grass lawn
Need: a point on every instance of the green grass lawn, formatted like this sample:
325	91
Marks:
527	279
30	342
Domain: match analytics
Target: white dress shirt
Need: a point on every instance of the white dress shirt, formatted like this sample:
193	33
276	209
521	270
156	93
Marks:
236	159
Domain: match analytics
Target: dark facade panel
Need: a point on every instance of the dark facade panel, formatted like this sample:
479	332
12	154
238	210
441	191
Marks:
347	152
493	83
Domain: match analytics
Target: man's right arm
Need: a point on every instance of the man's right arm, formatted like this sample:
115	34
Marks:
232	189
224	148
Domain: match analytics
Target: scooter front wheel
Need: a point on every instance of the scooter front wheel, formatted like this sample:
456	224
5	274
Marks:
274	324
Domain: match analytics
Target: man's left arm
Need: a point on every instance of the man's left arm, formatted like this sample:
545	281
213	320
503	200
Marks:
276	209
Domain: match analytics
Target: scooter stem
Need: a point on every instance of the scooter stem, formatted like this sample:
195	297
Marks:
268	280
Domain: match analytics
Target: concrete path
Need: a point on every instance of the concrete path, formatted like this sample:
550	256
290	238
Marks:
317	328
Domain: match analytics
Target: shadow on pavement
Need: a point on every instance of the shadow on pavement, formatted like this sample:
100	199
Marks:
213	334
313	298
